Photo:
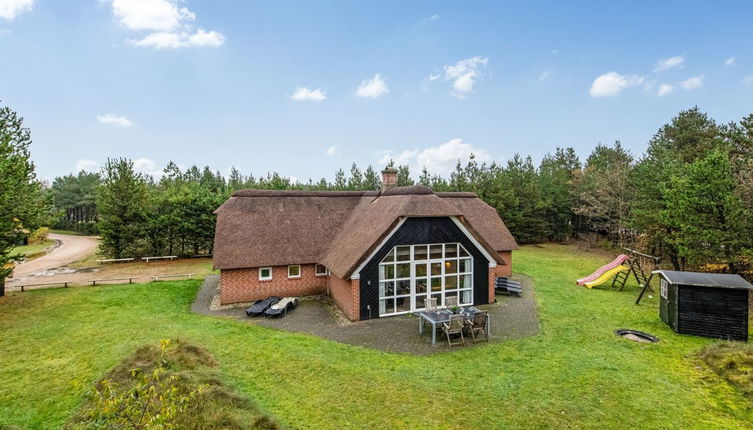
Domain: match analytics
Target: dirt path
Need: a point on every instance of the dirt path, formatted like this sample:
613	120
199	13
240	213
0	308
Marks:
72	248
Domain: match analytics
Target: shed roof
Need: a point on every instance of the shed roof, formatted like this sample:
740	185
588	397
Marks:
257	228
719	280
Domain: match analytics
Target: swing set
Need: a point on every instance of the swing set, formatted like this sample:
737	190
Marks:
640	264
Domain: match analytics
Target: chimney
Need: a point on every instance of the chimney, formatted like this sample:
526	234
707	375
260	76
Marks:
389	177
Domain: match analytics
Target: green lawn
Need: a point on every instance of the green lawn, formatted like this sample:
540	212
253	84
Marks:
576	373
34	248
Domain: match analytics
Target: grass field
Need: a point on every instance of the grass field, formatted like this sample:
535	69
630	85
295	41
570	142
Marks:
575	374
33	249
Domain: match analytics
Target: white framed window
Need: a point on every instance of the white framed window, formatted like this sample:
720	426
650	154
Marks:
663	290
321	270
409	274
294	271
265	273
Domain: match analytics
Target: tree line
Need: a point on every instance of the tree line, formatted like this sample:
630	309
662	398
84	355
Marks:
688	199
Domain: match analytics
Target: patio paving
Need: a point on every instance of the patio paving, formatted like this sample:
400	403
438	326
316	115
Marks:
511	318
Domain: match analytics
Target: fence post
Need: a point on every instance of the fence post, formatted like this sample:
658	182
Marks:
22	288
65	285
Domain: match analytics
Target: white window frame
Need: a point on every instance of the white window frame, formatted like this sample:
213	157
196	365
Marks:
416	299
265	278
299	271
663	288
318	273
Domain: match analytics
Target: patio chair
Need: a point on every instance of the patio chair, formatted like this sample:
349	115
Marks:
454	327
477	324
430	304
451	301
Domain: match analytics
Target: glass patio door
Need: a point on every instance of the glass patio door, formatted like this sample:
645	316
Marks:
410	274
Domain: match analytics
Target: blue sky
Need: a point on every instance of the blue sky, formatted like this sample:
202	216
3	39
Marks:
304	88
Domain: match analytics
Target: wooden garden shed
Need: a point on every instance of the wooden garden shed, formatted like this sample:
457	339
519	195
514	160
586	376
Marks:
705	304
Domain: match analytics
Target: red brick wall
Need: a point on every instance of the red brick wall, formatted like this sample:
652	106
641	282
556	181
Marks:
243	285
346	294
500	271
507	258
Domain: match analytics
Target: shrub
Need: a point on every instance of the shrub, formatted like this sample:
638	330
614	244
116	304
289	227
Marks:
175	386
733	361
39	235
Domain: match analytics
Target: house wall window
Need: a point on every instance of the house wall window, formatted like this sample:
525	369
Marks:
321	270
412	273
265	273
294	271
663	288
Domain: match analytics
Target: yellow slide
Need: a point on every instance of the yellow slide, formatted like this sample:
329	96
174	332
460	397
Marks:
605	277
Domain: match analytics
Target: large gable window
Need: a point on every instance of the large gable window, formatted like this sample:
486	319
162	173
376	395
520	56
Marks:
412	273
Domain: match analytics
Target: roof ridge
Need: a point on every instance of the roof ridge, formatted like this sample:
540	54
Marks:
302	193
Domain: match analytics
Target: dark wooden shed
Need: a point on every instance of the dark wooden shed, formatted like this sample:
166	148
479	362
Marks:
705	304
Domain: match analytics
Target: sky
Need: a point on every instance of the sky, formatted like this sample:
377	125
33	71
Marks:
304	88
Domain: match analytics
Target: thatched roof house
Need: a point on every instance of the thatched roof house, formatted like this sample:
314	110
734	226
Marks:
376	252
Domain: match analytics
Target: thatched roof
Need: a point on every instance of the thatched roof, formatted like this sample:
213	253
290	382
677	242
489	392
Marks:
337	228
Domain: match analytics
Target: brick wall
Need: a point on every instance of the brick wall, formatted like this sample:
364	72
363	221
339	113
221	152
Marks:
500	271
243	285
346	294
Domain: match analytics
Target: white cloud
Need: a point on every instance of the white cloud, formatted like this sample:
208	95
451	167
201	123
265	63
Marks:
117	120
372	88
433	17
730	61
692	82
85	164
665	89
748	81
669	63
463	74
545	75
167	40
170	25
155	15
147	167
303	94
440	159
10	9
331	151
612	83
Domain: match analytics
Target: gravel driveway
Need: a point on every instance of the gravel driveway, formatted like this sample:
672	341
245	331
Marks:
71	249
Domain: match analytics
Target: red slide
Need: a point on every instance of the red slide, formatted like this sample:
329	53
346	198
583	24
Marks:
616	262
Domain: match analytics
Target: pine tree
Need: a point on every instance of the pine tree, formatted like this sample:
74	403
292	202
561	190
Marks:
23	207
122	200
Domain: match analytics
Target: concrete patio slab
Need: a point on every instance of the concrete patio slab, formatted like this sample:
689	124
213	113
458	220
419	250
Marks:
511	318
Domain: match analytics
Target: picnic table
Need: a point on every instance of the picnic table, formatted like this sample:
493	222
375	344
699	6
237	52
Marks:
441	316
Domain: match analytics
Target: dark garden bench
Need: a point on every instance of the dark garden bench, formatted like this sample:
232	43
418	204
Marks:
508	286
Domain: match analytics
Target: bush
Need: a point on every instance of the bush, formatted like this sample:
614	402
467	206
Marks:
39	235
175	386
732	361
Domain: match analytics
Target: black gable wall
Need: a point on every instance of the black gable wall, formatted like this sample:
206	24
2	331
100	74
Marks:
417	231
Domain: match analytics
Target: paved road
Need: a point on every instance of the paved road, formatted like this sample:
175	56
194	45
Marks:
72	248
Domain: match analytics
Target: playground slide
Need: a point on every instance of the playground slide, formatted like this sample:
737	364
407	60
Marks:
606	276
600	271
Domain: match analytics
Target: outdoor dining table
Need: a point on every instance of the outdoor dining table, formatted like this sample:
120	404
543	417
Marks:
437	318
